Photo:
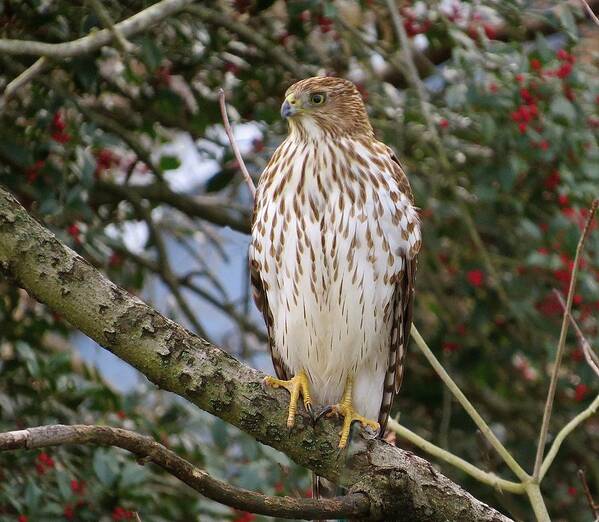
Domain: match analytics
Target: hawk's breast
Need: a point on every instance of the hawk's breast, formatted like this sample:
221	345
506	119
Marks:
331	232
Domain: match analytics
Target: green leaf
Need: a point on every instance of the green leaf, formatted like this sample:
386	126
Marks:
567	20
32	495
87	165
169	162
103	468
150	52
545	51
561	108
132	475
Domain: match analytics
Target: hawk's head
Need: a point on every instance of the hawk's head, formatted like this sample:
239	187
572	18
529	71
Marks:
325	105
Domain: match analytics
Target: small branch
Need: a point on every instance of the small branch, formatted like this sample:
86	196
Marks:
535	497
229	131
590	11
565	431
22	79
105	18
561	345
482	476
354	505
470	409
587	492
137	23
271	49
591	357
198	207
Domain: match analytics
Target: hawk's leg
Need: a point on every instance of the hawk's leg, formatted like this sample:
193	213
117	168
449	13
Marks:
296	386
346	409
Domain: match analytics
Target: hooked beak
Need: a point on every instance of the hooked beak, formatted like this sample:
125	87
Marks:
290	107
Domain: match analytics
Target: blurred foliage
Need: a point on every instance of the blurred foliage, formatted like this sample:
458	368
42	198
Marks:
516	111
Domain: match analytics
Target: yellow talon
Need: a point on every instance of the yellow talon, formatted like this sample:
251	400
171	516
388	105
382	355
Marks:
346	409
296	386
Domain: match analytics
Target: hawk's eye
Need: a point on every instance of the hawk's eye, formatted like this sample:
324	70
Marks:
317	98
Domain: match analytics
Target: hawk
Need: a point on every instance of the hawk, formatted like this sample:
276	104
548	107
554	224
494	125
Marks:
335	237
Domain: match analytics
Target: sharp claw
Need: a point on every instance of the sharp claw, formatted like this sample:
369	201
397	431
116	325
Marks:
324	413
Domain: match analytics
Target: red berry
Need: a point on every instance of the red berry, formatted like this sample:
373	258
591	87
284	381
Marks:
22	518
69	512
564	70
444	123
449	347
580	392
475	277
552	181
522	128
77	486
563	200
535	64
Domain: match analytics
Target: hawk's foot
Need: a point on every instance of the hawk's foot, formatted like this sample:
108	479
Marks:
346	409
296	386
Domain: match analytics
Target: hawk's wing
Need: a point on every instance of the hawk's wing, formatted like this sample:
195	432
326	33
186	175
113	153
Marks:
261	300
403	299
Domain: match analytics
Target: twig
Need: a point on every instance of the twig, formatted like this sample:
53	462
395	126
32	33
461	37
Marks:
470	409
229	131
591	357
22	79
93	41
561	345
590	11
106	19
587	492
482	476
268	47
565	431
354	505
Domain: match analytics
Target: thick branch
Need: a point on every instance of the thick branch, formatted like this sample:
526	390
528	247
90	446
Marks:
92	42
149	450
397	483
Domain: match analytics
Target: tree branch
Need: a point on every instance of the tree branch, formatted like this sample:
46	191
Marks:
482	476
202	208
561	344
92	42
397	483
355	505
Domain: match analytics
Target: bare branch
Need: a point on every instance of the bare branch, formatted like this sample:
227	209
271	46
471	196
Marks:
561	344
482	476
229	131
587	492
353	505
565	431
590	11
470	409
203	208
24	78
93	41
105	18
268	47
590	356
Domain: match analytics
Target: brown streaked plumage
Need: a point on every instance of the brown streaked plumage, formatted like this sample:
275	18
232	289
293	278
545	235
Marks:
333	256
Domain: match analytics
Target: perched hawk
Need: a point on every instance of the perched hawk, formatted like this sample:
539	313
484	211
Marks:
333	257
